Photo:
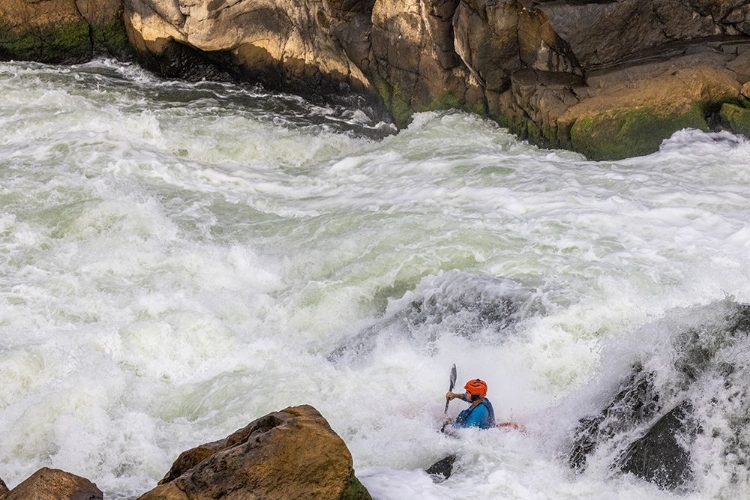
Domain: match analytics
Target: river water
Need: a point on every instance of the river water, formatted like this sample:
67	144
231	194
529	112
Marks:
179	259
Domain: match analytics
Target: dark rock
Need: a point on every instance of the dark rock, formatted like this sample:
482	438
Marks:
53	484
442	469
635	403
654	442
288	454
661	455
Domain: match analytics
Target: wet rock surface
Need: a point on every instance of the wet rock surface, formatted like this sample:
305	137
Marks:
651	425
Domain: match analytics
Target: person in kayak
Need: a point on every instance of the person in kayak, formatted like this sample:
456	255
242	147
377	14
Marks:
480	414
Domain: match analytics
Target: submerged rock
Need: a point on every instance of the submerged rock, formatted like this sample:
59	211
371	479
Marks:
635	403
292	453
454	302
53	484
442	469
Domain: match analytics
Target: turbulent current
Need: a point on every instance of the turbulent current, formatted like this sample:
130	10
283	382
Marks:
179	259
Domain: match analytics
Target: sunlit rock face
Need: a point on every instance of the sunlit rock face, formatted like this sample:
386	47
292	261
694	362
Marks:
292	453
285	45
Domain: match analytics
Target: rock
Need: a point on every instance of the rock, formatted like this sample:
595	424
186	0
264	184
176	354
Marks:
414	63
53	484
442	469
661	456
61	31
3	488
302	46
652	422
635	403
633	119
736	117
292	453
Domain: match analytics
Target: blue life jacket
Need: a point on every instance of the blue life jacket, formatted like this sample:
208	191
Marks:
481	415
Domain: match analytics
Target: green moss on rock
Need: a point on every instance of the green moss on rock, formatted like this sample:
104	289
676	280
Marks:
544	136
112	39
69	43
737	117
450	101
394	101
630	132
355	490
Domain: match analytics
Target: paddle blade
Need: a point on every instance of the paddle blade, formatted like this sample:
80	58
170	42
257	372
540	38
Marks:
453	384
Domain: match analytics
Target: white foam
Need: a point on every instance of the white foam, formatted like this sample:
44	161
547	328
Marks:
178	260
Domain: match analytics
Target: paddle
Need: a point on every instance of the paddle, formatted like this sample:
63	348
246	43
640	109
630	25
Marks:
453	383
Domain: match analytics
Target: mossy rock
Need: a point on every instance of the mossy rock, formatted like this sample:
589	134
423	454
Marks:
112	39
626	133
394	101
70	43
551	136
737	117
355	490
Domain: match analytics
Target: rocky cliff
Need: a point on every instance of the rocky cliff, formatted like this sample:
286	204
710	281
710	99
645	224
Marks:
607	78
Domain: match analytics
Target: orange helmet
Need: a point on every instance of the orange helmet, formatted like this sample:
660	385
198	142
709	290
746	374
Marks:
477	387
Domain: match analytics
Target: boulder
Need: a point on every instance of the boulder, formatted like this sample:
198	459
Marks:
61	31
303	46
661	456
292	453
650	425
636	402
3	488
633	118
53	484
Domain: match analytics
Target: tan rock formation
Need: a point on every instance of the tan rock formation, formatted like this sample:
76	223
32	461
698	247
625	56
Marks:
292	45
53	484
288	454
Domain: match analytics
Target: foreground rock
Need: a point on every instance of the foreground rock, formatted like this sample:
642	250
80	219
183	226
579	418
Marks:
293	453
53	484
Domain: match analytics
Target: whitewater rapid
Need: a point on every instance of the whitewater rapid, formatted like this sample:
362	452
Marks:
179	259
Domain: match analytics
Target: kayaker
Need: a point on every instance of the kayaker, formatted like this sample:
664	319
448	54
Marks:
480	412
